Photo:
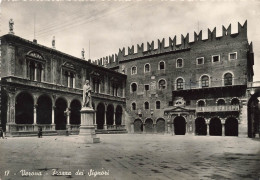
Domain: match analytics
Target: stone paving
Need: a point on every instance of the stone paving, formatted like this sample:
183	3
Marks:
129	156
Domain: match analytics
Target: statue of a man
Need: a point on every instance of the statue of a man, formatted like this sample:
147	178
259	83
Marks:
11	25
87	101
83	53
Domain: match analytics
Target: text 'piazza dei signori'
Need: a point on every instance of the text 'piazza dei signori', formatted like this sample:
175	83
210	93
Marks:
200	87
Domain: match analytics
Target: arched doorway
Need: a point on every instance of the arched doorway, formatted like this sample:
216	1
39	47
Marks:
215	127
119	115
44	110
231	127
100	116
24	109
60	116
75	107
4	105
160	126
138	126
179	125
200	126
110	114
253	111
149	126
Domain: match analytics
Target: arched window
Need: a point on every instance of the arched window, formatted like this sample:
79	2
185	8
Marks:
134	70
158	105
179	84
201	103
147	68
221	102
161	65
133	106
133	87
204	81
146	105
179	63
228	79
162	84
234	101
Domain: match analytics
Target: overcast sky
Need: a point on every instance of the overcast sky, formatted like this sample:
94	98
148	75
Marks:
109	26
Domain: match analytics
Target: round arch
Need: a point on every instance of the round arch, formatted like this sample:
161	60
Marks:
138	126
110	114
4	106
160	125
231	127
75	107
100	116
200	80
179	125
215	127
119	112
24	108
200	126
60	117
149	125
44	109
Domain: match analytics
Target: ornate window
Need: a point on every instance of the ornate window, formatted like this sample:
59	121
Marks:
68	75
158	105
133	106
204	81
228	79
161	65
147	68
180	83
162	84
201	103
179	63
221	102
234	101
133	87
146	105
134	70
35	66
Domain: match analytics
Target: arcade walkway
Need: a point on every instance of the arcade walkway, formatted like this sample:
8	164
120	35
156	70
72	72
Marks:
132	156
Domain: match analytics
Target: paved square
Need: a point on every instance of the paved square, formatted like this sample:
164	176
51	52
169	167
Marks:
128	156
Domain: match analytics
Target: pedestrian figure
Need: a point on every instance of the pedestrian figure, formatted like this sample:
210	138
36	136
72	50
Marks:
39	132
1	133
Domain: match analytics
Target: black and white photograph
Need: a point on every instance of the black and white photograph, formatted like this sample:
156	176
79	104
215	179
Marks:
129	89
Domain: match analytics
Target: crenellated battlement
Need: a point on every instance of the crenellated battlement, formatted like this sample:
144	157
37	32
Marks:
186	44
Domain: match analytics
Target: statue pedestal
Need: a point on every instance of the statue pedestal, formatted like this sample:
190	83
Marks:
87	128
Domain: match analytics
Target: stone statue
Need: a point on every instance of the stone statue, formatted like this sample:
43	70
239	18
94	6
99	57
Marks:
53	42
87	101
83	53
11	26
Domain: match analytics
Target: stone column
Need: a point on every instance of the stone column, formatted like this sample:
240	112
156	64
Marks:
207	122
114	119
35	114
105	118
132	128
35	72
73	81
53	118
154	128
223	126
123	87
42	74
144	131
68	116
68	79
